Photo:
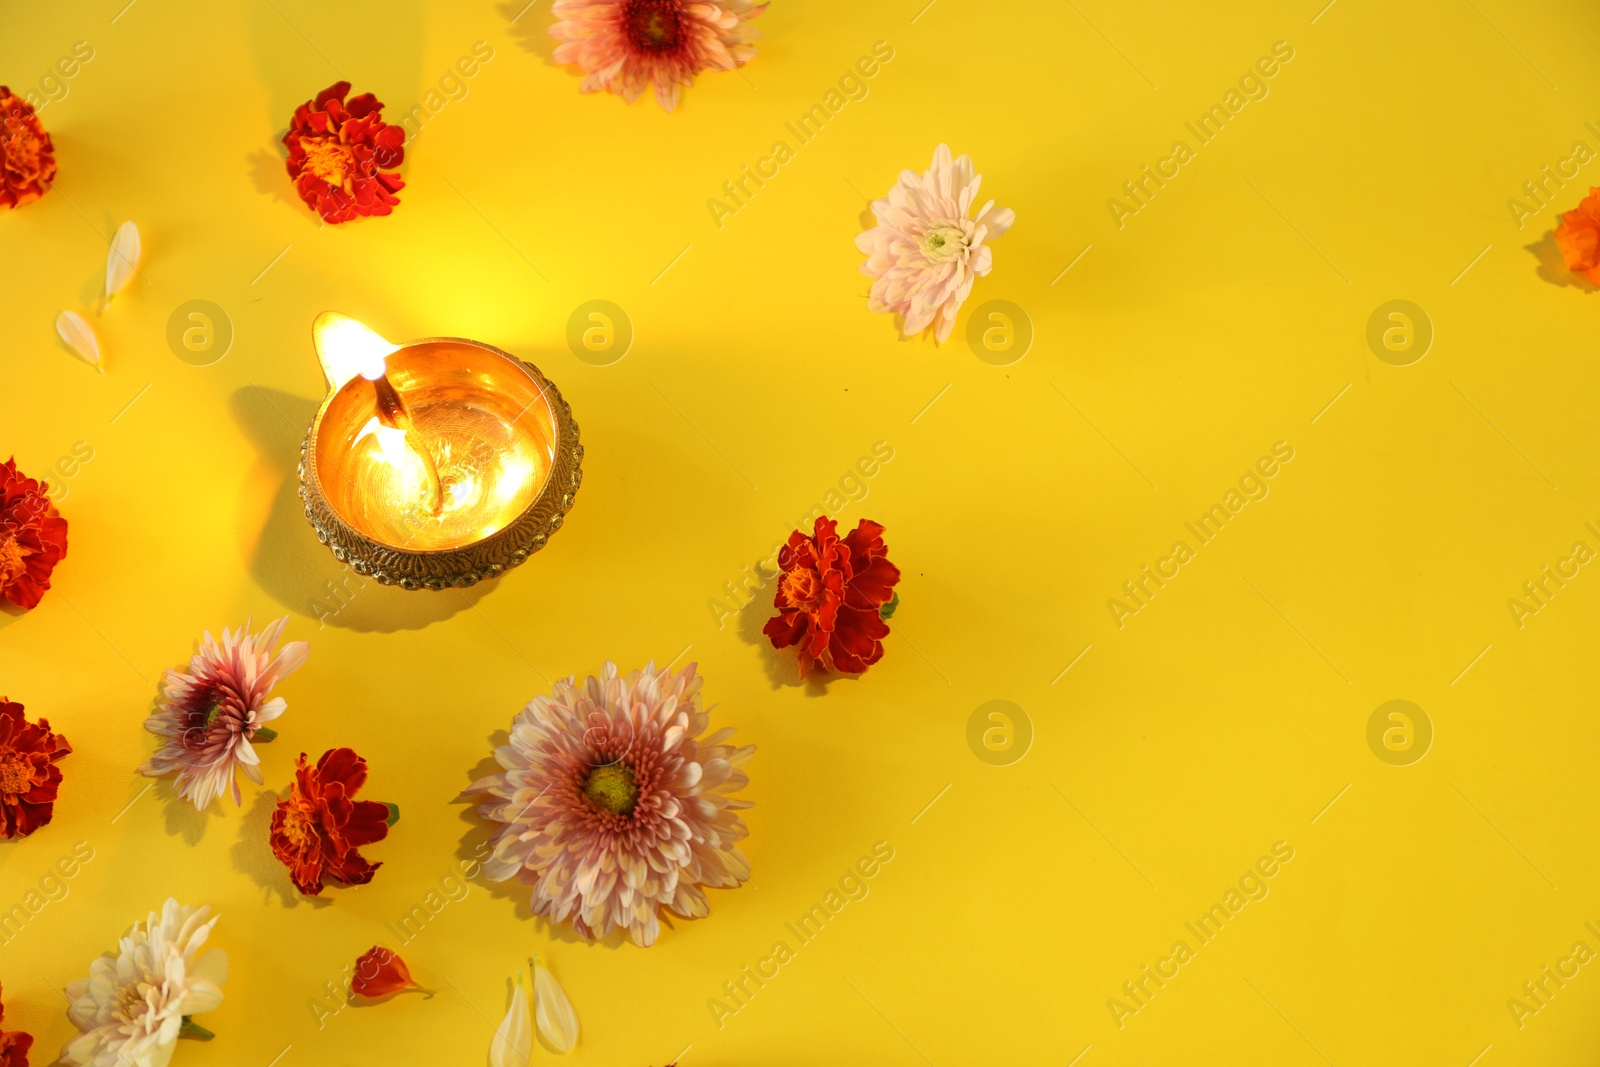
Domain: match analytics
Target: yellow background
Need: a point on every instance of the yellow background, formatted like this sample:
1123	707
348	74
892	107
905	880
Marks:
1224	717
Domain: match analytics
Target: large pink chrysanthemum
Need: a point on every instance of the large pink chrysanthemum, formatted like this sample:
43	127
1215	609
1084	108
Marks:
622	46
212	713
612	806
925	251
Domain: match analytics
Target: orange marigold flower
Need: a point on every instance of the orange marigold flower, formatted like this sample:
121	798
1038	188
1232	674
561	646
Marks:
834	596
341	155
318	829
1578	237
33	537
14	1046
27	157
29	777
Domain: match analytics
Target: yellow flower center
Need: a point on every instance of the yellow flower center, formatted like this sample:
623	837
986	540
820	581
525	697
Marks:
328	160
801	589
16	775
611	788
11	565
943	243
131	1001
300	830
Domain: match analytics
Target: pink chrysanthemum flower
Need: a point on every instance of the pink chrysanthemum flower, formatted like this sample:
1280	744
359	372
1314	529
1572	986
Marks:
623	46
211	714
612	806
925	251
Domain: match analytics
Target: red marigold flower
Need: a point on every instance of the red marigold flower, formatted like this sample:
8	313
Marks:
378	973
1578	237
29	776
33	537
318	828
27	156
832	596
341	155
14	1046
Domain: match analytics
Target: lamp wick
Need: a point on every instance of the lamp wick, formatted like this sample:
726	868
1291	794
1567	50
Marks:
392	413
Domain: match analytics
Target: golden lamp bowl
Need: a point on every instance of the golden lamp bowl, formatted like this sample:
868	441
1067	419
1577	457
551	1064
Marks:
496	431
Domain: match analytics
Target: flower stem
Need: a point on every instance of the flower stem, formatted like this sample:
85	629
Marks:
263	735
193	1029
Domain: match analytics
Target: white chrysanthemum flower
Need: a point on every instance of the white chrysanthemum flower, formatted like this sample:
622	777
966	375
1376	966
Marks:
612	805
133	1006
925	251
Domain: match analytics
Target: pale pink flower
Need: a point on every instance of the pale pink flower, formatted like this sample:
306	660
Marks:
925	251
211	714
136	1003
622	46
612	806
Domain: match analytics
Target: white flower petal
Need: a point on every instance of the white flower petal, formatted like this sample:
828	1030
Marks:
513	1040
79	336
122	260
552	1010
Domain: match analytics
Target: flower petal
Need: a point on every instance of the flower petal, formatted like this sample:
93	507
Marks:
79	336
552	1010
123	259
513	1039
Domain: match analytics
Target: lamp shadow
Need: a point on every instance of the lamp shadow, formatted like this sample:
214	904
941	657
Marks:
1552	266
475	847
297	570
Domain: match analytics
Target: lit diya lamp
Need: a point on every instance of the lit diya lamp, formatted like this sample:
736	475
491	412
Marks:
436	463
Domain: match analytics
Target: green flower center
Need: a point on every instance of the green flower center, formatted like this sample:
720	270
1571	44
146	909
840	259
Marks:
611	788
944	242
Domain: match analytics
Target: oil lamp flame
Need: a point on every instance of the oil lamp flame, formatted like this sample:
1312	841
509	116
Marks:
348	348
